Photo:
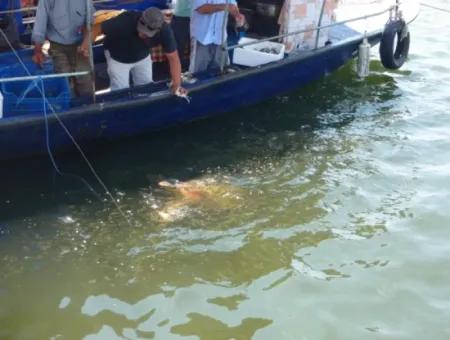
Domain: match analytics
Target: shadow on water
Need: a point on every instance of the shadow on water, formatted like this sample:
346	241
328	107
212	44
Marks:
188	151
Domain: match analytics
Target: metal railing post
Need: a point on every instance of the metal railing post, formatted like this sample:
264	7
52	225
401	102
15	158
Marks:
223	57
319	24
91	50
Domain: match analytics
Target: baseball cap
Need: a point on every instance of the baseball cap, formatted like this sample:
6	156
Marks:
150	21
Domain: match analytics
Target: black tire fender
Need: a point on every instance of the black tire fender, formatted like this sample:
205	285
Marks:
394	45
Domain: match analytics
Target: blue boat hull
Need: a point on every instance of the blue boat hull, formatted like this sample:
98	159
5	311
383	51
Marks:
116	118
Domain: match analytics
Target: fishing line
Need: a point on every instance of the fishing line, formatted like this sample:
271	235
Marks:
45	101
105	188
434	7
49	150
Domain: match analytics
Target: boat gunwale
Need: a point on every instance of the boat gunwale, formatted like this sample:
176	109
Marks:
99	108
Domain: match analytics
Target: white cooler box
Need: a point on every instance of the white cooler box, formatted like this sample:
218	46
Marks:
252	56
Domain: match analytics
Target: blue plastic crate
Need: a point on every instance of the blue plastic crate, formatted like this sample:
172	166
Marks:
8	58
24	97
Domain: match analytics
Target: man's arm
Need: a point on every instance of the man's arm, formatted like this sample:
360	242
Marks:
40	31
213	8
175	71
84	47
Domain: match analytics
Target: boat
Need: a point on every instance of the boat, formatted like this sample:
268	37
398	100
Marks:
143	109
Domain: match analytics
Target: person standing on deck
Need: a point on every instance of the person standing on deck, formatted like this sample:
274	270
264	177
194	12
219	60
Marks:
128	39
181	28
208	22
63	23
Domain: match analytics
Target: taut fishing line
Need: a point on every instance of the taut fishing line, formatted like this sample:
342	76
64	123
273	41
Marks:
435	7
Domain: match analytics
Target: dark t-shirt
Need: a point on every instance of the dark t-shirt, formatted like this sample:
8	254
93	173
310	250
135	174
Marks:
124	44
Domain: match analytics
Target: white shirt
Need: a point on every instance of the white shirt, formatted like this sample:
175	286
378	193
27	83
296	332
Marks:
208	28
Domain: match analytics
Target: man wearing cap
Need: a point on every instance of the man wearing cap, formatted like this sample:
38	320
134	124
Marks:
128	39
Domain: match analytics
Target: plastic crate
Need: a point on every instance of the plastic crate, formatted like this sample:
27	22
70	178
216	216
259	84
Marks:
252	55
8	58
24	97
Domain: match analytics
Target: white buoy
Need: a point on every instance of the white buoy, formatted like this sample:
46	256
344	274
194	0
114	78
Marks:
363	59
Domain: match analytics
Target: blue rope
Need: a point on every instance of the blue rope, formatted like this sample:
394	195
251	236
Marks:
49	150
47	134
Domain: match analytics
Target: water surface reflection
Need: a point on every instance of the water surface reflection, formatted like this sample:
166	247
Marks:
309	225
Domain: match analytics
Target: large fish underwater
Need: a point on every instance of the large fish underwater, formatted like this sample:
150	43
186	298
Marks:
203	195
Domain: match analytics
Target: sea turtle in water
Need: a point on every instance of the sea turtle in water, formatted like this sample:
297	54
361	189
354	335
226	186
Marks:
198	194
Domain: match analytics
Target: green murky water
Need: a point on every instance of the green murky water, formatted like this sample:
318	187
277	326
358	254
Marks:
326	216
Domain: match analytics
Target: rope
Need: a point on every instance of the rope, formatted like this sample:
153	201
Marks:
49	150
91	168
434	7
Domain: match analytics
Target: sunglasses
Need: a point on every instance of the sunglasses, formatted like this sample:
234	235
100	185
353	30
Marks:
143	23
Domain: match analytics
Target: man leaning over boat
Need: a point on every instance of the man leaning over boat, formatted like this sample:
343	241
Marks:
128	39
63	23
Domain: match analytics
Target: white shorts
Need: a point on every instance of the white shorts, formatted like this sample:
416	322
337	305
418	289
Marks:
119	73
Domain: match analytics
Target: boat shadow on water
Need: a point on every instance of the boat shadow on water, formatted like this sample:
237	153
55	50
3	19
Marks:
197	149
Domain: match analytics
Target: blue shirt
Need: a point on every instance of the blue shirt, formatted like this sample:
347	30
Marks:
60	21
208	28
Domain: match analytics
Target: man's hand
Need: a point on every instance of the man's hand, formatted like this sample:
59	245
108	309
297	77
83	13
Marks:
175	73
178	90
38	56
234	11
240	20
83	49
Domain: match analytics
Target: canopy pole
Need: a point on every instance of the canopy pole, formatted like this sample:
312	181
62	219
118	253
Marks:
319	24
224	41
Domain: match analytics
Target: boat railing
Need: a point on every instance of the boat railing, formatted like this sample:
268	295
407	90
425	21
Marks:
393	10
44	76
34	8
319	27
